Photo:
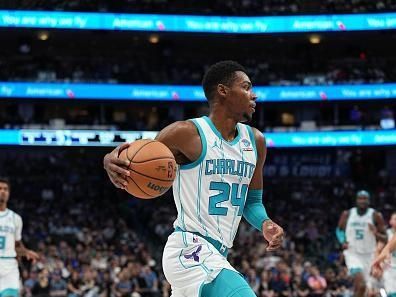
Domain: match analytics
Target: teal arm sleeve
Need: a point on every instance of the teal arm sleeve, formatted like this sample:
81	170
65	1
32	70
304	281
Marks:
340	235
254	211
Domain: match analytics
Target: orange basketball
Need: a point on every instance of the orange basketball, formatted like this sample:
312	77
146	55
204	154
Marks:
152	168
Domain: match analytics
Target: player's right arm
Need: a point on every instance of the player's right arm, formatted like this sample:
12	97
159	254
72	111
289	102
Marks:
340	232
20	248
181	138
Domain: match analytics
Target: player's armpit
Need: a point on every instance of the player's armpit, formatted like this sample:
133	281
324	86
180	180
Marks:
257	179
182	138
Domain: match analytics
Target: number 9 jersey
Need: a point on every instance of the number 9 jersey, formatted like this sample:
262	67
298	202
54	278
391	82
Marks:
210	193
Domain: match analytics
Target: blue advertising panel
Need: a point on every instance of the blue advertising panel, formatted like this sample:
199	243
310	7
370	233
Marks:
190	23
71	91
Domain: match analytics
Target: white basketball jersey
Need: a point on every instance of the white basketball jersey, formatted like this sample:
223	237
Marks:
390	232
10	231
210	193
358	235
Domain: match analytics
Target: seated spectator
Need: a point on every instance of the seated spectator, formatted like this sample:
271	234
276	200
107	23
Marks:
317	283
58	287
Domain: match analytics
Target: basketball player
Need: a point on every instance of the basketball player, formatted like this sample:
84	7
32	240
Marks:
219	180
10	244
358	231
388	252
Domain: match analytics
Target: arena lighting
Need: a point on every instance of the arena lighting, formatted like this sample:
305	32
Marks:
98	138
314	39
194	23
154	39
43	35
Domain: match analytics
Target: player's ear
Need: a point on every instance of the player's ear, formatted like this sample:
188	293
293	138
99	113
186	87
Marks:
222	90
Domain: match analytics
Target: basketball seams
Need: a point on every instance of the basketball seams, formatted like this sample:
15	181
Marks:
153	159
139	187
145	172
138	150
155	178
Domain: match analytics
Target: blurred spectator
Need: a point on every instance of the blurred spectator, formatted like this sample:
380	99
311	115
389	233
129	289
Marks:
74	285
387	120
42	286
58	287
356	115
317	283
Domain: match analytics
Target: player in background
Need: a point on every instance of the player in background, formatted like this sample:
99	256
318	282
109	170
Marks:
387	254
359	229
11	244
219	180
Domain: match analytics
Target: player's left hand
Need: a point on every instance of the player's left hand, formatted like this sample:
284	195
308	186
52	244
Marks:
380	263
31	256
274	234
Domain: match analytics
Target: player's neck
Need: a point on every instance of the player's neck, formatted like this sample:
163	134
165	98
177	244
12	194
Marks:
224	124
3	207
361	211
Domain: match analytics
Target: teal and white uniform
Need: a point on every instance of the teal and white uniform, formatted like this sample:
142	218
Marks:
210	195
390	273
10	231
361	242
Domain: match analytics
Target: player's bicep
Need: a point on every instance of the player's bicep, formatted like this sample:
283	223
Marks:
257	179
379	222
168	136
183	140
343	220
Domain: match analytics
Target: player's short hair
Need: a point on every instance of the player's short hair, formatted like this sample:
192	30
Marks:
222	72
5	180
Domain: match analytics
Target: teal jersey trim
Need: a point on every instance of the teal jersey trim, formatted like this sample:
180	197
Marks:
252	139
354	271
6	213
222	249
215	131
199	199
9	292
204	148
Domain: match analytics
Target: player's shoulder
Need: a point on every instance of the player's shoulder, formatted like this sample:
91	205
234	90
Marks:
346	212
181	128
15	215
